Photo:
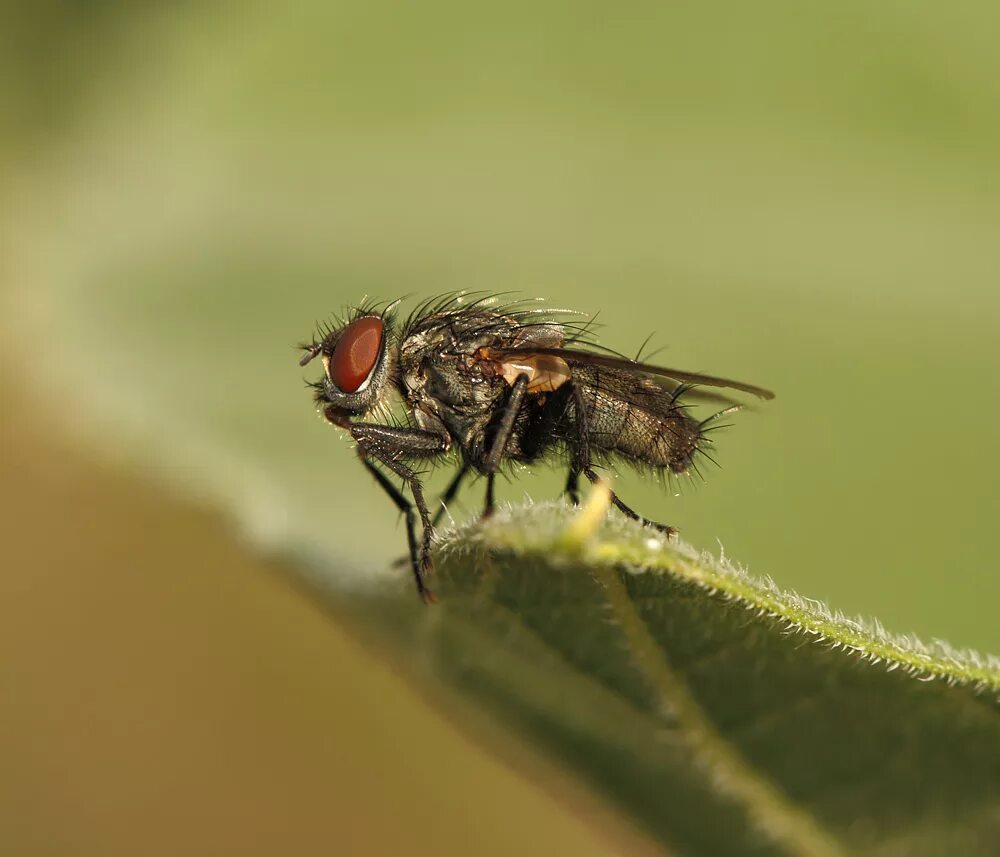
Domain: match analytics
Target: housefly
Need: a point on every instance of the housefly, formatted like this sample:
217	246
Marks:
491	383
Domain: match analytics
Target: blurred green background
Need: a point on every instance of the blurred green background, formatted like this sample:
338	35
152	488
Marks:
803	196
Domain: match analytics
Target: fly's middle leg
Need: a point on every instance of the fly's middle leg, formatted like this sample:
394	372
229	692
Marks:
572	489
490	507
449	493
491	462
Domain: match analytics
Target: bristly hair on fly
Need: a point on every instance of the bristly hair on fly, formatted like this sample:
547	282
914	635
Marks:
493	381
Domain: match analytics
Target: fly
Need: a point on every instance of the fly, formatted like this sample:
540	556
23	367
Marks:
491	384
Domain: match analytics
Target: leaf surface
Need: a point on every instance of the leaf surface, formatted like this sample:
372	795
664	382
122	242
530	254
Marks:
725	716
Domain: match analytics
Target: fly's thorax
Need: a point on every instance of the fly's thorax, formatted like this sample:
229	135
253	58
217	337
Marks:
444	389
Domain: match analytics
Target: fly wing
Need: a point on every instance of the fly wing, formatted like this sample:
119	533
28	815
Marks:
701	395
572	356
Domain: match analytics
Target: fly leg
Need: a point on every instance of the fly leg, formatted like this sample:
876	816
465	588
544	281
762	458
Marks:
420	555
386	445
572	489
628	511
491	463
406	507
449	493
442	504
490	502
583	465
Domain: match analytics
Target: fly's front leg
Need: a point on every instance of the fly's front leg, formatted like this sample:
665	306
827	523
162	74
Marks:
491	463
387	445
406	507
442	506
583	465
420	556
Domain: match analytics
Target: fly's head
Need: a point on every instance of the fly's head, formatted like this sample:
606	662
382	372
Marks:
357	357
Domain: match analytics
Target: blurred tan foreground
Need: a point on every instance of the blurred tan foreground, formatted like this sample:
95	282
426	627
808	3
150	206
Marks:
163	692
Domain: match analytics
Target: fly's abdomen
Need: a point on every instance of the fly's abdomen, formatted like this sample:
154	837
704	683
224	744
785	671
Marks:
637	419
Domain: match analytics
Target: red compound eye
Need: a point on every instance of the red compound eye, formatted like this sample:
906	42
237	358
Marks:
356	353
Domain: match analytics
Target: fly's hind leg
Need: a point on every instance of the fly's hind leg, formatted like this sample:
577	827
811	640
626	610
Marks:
583	465
628	511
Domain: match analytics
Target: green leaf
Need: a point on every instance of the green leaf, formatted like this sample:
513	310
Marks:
724	715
